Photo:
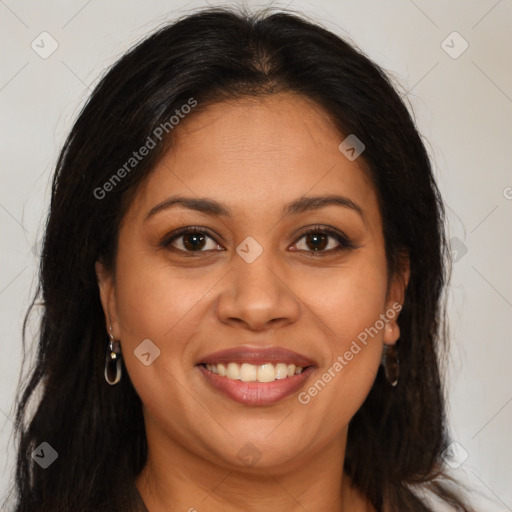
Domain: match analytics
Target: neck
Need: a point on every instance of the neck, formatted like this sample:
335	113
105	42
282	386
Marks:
175	478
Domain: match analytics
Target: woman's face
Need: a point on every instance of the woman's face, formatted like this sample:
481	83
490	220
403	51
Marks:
251	289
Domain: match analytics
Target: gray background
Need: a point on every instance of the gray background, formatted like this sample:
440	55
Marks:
462	105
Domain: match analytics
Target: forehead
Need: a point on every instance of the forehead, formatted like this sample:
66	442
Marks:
256	152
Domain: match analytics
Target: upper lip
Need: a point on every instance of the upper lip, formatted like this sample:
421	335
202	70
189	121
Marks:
257	356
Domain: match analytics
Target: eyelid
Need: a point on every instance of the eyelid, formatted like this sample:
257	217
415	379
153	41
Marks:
343	240
170	237
345	243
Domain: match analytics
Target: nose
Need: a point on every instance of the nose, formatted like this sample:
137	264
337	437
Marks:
258	295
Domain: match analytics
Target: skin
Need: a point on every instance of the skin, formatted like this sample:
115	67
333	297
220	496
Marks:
254	155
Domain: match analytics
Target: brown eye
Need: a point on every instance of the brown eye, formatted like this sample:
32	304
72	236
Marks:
193	241
190	239
317	241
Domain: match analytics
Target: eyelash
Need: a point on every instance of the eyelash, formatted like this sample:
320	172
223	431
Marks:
343	241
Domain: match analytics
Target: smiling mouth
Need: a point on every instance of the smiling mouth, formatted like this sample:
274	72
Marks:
246	372
256	376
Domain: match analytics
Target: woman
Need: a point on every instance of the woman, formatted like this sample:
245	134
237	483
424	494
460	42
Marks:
242	277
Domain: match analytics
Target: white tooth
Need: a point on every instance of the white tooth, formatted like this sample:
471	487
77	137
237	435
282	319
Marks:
281	371
266	373
248	372
233	371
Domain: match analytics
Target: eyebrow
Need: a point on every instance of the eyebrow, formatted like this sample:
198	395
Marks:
216	208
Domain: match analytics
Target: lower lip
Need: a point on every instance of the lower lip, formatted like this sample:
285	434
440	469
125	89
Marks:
257	393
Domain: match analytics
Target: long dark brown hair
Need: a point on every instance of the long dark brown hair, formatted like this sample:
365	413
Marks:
396	439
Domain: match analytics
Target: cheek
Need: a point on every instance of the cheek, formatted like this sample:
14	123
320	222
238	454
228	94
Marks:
160	305
156	304
348	305
346	300
152	297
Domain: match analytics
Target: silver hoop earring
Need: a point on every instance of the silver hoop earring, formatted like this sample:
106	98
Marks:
113	367
391	364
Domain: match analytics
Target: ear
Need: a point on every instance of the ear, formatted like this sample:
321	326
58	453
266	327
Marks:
395	298
106	284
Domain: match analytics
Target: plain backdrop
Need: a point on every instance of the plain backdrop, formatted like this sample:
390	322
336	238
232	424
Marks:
450	59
